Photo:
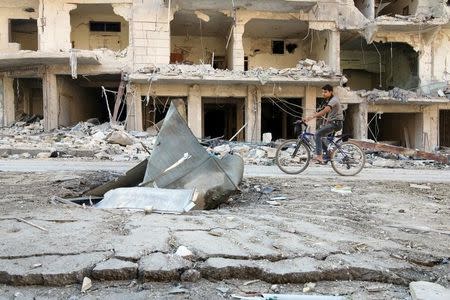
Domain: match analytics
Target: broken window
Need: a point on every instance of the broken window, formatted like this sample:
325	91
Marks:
278	116
378	65
276	43
444	128
200	38
222	117
277	47
96	26
105	26
24	33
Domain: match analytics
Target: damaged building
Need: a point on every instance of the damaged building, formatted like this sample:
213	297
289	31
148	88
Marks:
242	64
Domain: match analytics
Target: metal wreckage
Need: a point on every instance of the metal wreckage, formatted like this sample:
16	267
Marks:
179	175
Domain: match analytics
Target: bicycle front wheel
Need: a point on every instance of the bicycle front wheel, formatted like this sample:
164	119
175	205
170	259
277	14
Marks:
292	157
348	159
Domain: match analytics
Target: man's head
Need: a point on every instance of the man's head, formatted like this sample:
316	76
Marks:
327	91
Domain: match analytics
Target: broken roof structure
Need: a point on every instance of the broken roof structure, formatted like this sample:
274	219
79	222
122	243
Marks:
257	65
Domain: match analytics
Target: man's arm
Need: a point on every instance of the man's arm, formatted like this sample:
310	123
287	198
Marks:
319	114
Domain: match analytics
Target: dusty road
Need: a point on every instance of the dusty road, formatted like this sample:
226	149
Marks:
365	237
313	172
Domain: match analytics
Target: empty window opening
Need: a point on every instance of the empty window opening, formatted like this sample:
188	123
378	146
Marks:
277	43
105	26
200	38
154	110
28	99
84	98
24	33
444	128
278	115
392	8
222	117
399	129
378	65
96	26
277	47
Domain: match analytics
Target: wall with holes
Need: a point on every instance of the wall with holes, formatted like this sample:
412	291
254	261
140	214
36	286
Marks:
259	53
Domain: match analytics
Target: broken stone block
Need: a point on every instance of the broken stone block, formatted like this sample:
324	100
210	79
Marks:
120	137
422	290
184	252
87	284
191	275
256	153
309	62
115	269
267	137
222	149
162	267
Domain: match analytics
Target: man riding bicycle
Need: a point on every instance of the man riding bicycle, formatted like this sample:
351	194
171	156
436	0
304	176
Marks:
333	121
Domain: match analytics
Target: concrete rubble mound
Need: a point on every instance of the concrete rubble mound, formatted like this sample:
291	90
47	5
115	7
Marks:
396	93
304	68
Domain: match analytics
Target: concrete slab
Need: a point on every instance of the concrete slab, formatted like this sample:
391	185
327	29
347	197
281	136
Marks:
49	269
423	290
162	267
32	58
115	269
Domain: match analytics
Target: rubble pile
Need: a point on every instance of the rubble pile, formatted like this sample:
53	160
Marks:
112	142
304	68
395	94
417	18
104	141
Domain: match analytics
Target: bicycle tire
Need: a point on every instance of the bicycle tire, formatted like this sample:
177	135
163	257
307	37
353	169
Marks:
348	159
289	164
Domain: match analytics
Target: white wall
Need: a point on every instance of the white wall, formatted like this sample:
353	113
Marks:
83	38
194	44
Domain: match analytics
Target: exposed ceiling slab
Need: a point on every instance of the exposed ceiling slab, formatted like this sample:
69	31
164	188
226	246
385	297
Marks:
23	59
186	22
260	5
283	29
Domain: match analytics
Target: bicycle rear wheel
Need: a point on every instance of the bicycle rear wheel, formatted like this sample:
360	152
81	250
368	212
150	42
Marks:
348	159
292	157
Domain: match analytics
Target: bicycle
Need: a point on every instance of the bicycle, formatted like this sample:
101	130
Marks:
293	156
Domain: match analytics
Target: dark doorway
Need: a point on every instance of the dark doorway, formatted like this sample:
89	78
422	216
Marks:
444	128
278	116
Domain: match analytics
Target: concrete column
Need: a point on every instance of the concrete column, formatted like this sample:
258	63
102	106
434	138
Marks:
309	106
195	111
425	64
7	103
4	33
51	101
430	130
239	120
334	50
253	114
360	122
235	49
54	25
134	108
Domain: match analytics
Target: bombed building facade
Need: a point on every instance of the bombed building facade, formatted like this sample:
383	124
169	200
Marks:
238	64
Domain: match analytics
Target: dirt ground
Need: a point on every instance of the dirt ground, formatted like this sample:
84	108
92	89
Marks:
408	224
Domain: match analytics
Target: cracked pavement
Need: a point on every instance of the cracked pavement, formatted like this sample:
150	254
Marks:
384	232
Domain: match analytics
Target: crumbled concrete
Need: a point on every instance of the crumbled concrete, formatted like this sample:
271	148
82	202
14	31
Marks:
115	269
162	267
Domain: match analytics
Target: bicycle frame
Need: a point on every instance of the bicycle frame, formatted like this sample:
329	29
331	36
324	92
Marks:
305	137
